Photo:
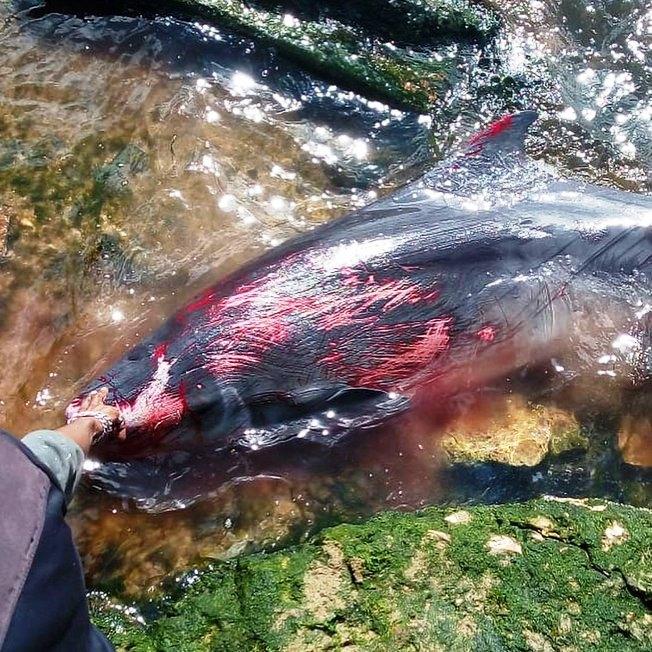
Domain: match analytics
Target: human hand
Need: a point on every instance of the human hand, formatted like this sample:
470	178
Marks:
94	419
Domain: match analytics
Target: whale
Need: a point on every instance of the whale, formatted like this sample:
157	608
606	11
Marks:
488	266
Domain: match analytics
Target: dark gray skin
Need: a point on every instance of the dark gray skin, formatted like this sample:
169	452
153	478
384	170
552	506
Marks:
487	267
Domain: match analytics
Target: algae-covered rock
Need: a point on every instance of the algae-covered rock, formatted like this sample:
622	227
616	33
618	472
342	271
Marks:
548	574
109	182
519	435
404	21
61	210
384	49
48	174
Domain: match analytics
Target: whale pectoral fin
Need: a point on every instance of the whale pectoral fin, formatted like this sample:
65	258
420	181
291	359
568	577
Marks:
168	481
327	414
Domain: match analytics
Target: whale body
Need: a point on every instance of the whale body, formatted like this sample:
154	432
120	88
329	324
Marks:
487	264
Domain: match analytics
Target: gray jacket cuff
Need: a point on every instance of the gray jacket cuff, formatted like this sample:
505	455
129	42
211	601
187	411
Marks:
62	456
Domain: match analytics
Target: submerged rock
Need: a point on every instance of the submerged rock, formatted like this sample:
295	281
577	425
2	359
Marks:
519	435
5	219
549	574
389	51
110	182
405	21
635	440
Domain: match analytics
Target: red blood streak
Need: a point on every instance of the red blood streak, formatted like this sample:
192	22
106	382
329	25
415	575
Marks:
349	308
160	350
478	141
205	300
487	334
493	130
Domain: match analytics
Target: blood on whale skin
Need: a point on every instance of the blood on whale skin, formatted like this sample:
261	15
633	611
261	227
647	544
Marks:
261	315
354	302
347	324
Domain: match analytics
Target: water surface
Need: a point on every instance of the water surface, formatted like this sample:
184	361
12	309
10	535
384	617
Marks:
140	159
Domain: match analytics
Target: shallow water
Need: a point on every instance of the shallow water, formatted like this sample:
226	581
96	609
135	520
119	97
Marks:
141	159
231	162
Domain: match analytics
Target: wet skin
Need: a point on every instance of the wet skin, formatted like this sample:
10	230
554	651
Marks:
484	269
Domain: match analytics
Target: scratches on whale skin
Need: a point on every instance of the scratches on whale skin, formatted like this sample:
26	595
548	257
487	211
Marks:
399	358
155	407
377	329
271	311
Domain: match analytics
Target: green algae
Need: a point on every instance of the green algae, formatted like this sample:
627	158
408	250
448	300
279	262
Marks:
338	52
110	182
64	194
414	22
386	51
548	574
49	175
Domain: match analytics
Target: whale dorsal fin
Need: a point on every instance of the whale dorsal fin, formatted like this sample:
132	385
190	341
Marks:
503	136
492	162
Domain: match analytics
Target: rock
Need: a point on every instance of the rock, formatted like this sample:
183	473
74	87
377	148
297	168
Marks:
410	22
324	584
614	535
635	440
502	545
419	581
384	50
114	177
259	515
461	517
544	527
110	182
15	214
519	435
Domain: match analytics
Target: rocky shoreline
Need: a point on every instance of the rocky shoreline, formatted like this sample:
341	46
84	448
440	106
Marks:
550	574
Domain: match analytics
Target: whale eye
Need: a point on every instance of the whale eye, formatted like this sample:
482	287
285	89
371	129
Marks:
137	353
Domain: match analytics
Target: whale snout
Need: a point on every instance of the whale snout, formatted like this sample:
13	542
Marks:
124	382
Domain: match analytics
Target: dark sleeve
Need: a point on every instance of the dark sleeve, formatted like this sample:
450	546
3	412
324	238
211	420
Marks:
62	456
42	593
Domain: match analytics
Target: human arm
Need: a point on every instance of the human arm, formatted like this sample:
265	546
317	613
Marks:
64	449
